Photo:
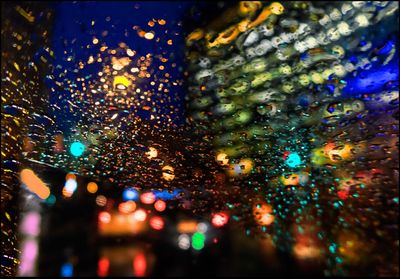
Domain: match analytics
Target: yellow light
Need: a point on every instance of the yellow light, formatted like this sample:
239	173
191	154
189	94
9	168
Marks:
248	8
276	8
168	173
120	63
34	183
262	213
149	36
161	22
26	15
152	153
293	179
318	156
303	251
92	187
244	167
130	52
341	152
222	159
121	80
196	35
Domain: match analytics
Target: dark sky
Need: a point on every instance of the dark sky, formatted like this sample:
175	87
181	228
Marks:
77	23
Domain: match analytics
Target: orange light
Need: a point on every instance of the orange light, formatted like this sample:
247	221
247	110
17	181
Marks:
102	268
139	265
127	207
147	198
219	219
140	215
187	227
262	213
67	193
92	187
303	251
267	219
328	148
28	144
34	183
160	205
104	217
70	176
157	223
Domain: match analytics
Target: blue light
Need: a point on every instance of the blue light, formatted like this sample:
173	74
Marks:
67	270
293	160
353	59
130	194
373	80
77	149
386	48
165	195
71	185
331	88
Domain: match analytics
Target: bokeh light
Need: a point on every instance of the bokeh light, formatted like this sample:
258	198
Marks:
156	222
140	215
104	217
198	240
160	205
34	183
103	267
130	194
219	219
139	265
147	198
293	160
77	149
184	241
101	200
92	187
279	119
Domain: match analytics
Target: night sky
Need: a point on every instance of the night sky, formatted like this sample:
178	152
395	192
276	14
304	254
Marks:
77	23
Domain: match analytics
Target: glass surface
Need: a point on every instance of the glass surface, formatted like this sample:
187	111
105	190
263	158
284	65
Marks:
207	138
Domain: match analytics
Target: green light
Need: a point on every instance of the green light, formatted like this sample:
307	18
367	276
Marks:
332	248
77	149
51	200
339	260
198	240
336	204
